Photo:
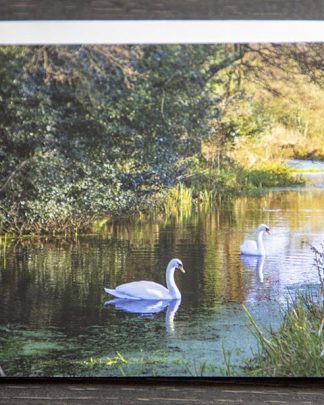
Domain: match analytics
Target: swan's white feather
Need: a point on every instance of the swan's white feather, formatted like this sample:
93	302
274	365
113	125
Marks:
116	293
249	247
140	290
149	290
255	248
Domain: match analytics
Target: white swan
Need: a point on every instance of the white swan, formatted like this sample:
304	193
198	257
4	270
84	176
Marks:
149	290
255	248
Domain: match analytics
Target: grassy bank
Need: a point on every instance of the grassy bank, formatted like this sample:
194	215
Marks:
202	187
297	348
163	127
211	186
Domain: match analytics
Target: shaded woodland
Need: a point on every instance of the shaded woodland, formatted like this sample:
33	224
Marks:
94	131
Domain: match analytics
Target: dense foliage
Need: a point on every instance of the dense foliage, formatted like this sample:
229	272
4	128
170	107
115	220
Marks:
90	131
93	130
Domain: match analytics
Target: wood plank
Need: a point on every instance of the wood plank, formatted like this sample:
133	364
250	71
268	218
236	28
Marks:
161	9
31	394
43	393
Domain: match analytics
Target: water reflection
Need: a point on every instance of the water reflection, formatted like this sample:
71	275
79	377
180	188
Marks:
46	284
59	283
148	307
256	263
143	307
313	178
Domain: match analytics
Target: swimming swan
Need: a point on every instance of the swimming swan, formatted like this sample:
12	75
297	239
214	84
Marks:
149	290
255	248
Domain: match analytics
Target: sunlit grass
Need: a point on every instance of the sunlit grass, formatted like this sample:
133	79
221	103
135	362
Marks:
207	186
178	199
311	170
270	174
297	348
118	361
297	112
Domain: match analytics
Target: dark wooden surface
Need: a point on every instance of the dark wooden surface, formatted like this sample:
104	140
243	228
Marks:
161	9
181	393
117	394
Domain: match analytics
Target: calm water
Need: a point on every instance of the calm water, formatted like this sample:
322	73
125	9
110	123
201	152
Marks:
53	320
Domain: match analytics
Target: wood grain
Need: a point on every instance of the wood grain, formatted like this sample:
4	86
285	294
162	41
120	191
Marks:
34	394
161	9
94	393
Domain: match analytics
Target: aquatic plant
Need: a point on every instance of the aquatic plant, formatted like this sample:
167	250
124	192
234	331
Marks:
299	337
319	262
296	349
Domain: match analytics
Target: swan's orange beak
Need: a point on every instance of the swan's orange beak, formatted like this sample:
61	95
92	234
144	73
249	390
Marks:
268	231
181	269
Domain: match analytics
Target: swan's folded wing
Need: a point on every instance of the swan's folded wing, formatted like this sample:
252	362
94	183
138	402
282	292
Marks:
249	247
144	290
116	293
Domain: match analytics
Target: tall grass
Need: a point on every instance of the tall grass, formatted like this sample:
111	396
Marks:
297	348
208	187
178	199
237	179
268	175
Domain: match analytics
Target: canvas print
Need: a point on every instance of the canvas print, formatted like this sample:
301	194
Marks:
161	210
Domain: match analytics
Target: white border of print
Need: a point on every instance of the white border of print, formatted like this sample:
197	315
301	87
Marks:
159	32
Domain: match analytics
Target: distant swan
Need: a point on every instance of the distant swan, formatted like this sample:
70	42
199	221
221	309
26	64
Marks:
255	248
149	290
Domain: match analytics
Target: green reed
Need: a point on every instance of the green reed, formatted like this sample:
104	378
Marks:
297	348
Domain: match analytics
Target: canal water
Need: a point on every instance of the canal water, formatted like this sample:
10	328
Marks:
53	316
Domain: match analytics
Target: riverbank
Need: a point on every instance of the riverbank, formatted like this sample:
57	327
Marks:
198	187
51	289
297	348
150	136
212	185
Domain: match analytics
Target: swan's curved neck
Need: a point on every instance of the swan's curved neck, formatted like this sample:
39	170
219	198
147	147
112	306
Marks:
171	285
259	241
